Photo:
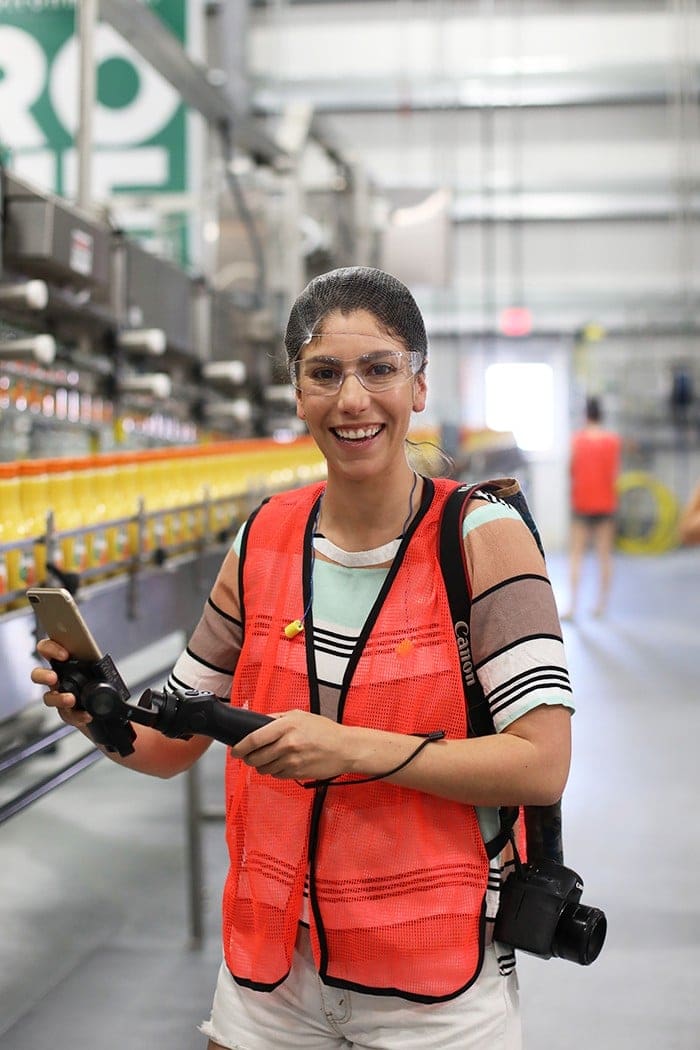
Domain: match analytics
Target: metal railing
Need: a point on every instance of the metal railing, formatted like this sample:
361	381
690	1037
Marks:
142	525
11	760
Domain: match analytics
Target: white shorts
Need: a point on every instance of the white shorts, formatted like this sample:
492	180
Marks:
303	1012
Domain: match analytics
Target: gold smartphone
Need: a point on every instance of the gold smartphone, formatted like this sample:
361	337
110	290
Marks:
60	617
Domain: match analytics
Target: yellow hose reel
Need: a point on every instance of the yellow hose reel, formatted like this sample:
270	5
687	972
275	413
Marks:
647	514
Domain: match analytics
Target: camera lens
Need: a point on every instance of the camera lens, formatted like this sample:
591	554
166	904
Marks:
580	934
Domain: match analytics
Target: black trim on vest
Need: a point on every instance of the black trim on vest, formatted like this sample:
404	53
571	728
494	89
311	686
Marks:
319	798
426	500
241	562
414	997
307	567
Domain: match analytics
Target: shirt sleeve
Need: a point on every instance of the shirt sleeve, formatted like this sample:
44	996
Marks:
516	636
212	652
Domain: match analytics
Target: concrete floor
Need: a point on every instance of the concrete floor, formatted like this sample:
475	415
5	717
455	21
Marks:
94	949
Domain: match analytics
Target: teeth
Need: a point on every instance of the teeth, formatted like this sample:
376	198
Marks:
357	435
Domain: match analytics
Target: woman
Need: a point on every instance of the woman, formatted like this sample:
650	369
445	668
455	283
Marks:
594	469
359	904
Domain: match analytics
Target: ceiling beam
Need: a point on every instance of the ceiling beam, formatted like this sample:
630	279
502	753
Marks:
595	86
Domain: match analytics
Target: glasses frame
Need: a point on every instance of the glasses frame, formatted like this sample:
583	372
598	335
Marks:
415	362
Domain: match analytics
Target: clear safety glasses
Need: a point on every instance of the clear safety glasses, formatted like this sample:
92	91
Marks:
377	371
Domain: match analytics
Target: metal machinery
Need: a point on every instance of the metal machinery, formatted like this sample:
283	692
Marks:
118	314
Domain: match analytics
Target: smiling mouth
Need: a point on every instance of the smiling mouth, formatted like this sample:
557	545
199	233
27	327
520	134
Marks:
356	434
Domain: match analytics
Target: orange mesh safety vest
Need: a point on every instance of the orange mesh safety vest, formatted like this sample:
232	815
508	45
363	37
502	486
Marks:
397	877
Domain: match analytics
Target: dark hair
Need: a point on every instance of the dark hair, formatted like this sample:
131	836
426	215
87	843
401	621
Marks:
594	412
356	288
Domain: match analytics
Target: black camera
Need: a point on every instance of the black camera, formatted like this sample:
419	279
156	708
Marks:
540	912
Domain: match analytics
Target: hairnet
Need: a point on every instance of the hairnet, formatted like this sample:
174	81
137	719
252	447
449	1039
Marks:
356	288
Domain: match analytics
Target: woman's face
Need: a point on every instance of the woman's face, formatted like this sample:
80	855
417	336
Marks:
360	432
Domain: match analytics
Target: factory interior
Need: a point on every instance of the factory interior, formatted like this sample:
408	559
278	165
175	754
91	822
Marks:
172	174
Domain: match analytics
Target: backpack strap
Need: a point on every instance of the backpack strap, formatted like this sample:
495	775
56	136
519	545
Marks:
542	823
454	571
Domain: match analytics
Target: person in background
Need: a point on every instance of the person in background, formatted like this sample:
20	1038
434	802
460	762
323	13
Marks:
594	468
360	901
689	524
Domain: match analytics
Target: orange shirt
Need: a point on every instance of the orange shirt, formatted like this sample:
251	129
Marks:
595	464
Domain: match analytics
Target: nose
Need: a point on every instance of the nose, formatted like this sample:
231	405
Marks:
352	396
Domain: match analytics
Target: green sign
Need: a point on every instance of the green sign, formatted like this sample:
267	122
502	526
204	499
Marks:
139	122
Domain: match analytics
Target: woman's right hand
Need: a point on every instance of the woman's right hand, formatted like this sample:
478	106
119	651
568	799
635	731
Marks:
63	702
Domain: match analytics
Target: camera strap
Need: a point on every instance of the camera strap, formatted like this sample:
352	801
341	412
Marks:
543	824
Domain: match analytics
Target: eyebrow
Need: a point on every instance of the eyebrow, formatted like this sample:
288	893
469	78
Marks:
371	355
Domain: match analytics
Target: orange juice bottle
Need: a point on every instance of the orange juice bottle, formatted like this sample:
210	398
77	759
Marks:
176	496
226	487
67	515
149	533
196	485
192	484
201	464
91	510
179	495
98	484
14	563
124	505
81	503
119	507
150	489
34	497
229	487
110	543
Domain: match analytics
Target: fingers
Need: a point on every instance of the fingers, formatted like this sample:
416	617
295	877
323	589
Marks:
50	650
64	703
44	676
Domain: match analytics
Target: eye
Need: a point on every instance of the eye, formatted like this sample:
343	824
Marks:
382	368
324	374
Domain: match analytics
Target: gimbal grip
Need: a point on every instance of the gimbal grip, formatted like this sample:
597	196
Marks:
213	717
99	690
231	724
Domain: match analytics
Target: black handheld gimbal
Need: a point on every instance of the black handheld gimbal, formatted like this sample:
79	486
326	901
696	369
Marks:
178	713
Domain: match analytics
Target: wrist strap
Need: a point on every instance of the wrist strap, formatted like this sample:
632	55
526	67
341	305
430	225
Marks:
429	738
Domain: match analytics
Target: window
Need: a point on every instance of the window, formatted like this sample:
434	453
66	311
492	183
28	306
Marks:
520	398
